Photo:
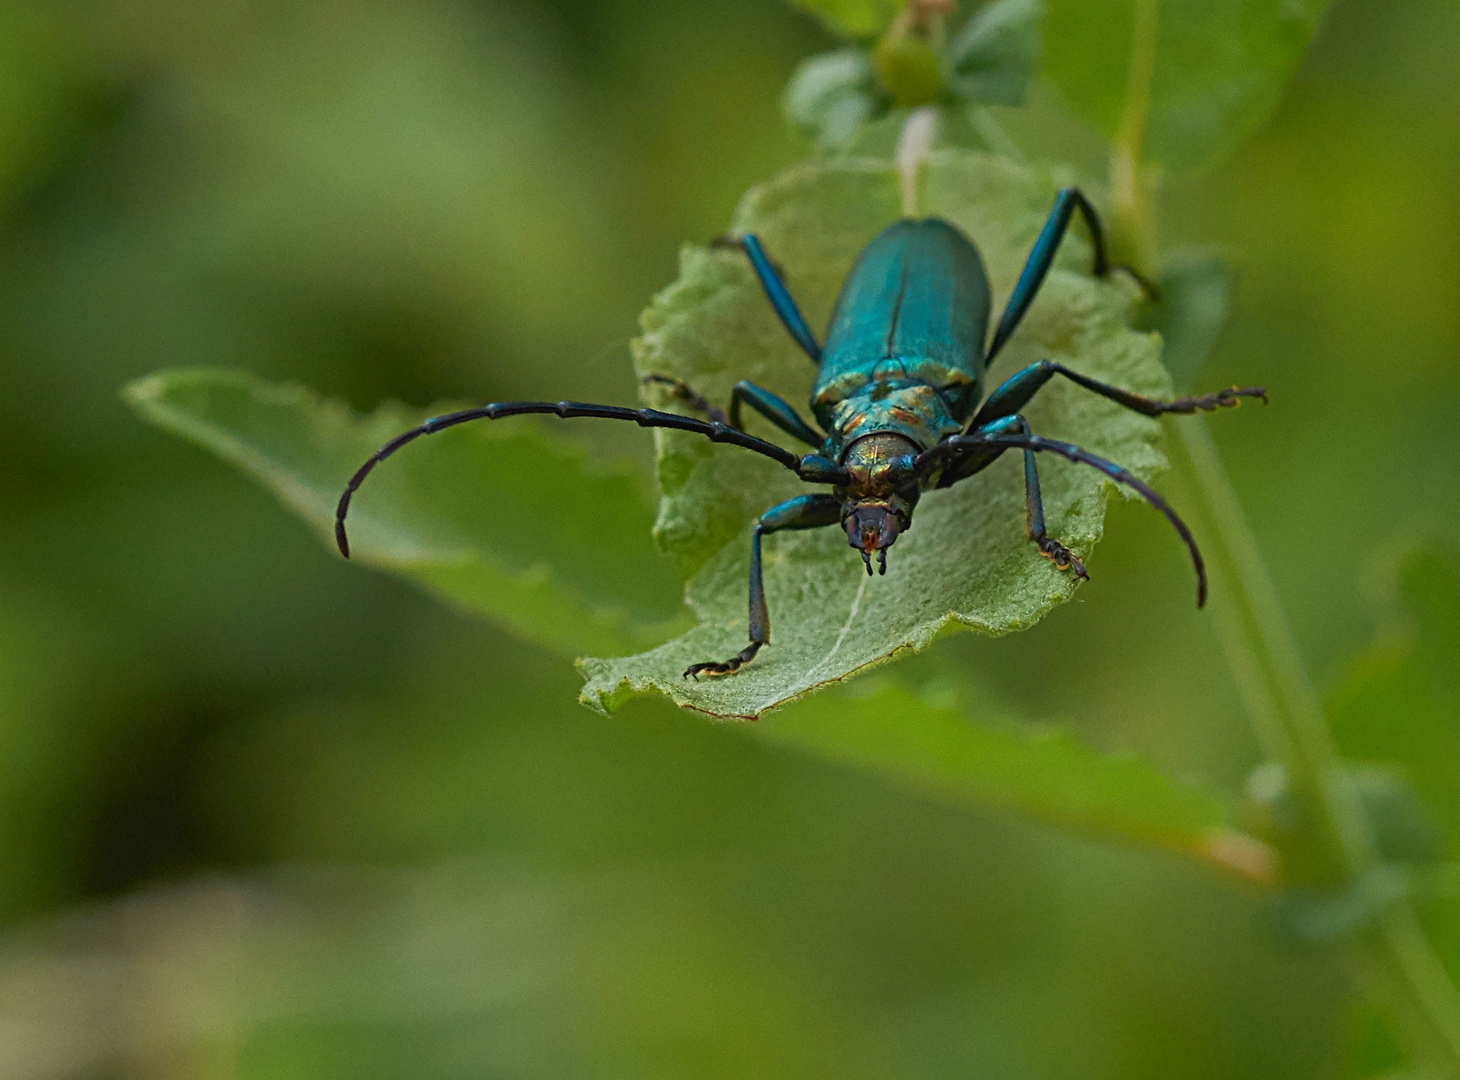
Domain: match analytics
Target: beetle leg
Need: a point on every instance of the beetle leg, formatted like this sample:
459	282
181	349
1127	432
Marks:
775	290
775	409
1041	258
1049	547
982	458
1005	434
1016	391
802	512
682	391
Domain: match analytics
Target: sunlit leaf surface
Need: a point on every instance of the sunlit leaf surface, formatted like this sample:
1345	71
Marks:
966	562
503	519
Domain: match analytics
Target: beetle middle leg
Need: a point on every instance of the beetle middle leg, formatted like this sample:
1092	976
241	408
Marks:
1017	390
802	512
1048	546
775	409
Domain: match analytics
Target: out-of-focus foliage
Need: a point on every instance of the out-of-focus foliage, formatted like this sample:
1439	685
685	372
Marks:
471	201
854	18
508	521
1046	775
993	58
1196	299
832	95
1400	704
1217	67
967	560
989	61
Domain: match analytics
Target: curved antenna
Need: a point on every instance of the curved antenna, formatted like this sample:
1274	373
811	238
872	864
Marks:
1083	457
649	418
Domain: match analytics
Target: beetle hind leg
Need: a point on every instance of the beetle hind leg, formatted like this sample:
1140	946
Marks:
728	667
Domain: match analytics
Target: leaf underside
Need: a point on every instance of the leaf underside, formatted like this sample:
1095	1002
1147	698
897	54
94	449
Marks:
966	563
1043	774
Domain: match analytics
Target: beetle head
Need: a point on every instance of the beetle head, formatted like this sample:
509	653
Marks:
874	527
877	504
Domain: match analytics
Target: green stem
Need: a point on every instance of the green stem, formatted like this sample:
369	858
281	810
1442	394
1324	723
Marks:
1261	652
1132	233
1291	728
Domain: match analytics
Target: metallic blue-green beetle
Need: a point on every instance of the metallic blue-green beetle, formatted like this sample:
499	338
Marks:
898	394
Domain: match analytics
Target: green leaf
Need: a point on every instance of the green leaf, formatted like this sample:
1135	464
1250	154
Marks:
861	19
1400	704
992	59
1048	775
1400	700
1217	70
966	562
498	517
831	96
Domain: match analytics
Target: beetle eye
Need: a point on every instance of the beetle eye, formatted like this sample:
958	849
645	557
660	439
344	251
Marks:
902	470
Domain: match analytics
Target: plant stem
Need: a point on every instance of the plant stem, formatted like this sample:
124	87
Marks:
1291	728
1132	231
1286	714
914	144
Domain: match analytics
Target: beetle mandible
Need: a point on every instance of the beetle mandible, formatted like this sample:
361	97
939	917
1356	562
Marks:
898	395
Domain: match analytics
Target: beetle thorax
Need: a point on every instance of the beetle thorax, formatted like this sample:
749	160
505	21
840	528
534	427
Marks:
870	460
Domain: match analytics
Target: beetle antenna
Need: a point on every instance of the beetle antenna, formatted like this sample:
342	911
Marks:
1083	457
649	418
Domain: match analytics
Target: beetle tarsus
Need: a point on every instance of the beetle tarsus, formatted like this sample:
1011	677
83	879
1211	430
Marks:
744	656
1062	556
1229	398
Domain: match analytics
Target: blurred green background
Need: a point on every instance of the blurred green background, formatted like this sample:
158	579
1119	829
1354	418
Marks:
266	814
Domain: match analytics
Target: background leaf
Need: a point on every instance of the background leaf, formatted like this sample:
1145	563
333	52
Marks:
503	519
854	18
831	96
1219	67
966	562
1399	703
1196	298
1047	775
993	57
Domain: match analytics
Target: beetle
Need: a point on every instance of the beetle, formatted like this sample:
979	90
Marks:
898	395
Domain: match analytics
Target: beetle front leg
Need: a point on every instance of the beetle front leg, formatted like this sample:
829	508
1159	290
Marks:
802	512
1048	546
